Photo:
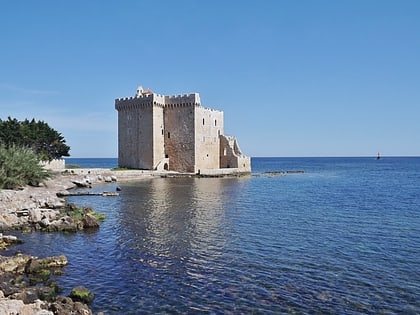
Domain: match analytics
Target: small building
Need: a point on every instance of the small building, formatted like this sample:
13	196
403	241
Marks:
160	132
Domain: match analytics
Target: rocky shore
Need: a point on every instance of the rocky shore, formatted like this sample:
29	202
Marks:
25	281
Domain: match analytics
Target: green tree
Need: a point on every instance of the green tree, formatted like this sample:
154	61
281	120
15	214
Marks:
37	135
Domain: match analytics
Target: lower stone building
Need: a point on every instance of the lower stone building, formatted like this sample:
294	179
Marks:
160	132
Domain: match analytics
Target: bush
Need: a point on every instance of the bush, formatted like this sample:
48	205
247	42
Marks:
20	167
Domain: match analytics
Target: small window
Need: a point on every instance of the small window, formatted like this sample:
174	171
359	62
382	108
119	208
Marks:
215	122
203	121
162	132
169	134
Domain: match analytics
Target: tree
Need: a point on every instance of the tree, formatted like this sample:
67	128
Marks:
37	135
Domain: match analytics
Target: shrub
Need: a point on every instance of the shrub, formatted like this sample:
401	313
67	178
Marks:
20	167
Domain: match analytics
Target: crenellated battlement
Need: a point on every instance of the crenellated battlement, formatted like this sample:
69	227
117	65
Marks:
148	98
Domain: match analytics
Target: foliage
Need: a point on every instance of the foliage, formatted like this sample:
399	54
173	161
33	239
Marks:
78	213
37	135
20	167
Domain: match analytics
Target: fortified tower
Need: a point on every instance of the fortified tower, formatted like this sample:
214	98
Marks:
159	132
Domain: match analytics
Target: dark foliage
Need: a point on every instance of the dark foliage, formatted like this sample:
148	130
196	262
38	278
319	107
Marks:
36	135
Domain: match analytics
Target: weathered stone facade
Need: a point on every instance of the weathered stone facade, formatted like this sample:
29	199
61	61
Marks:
159	132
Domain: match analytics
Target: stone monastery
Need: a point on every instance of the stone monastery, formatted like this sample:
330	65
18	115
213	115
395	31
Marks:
175	133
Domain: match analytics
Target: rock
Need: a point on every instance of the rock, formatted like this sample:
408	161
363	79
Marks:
81	184
66	223
82	294
7	240
36	265
14	264
89	222
44	223
108	179
8	307
63	193
114	178
66	306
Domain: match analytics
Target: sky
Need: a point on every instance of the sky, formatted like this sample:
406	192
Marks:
294	78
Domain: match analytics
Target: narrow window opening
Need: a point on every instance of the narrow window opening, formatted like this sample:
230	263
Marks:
169	134
215	122
203	121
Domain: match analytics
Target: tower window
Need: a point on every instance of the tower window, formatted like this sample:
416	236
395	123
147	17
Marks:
203	121
215	122
169	134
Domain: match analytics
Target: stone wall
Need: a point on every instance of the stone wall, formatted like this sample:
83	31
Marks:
135	132
179	137
208	127
231	155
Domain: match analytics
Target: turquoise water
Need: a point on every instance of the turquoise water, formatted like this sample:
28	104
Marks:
340	238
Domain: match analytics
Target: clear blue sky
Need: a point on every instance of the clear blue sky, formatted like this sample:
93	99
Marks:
294	78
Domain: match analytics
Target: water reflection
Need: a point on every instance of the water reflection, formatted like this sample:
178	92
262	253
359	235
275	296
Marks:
177	217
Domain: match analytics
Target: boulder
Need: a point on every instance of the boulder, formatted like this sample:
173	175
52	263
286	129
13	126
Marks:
89	221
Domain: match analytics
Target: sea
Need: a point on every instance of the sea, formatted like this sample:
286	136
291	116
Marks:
297	236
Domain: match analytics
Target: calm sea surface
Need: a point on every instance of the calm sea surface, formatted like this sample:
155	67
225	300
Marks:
341	238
